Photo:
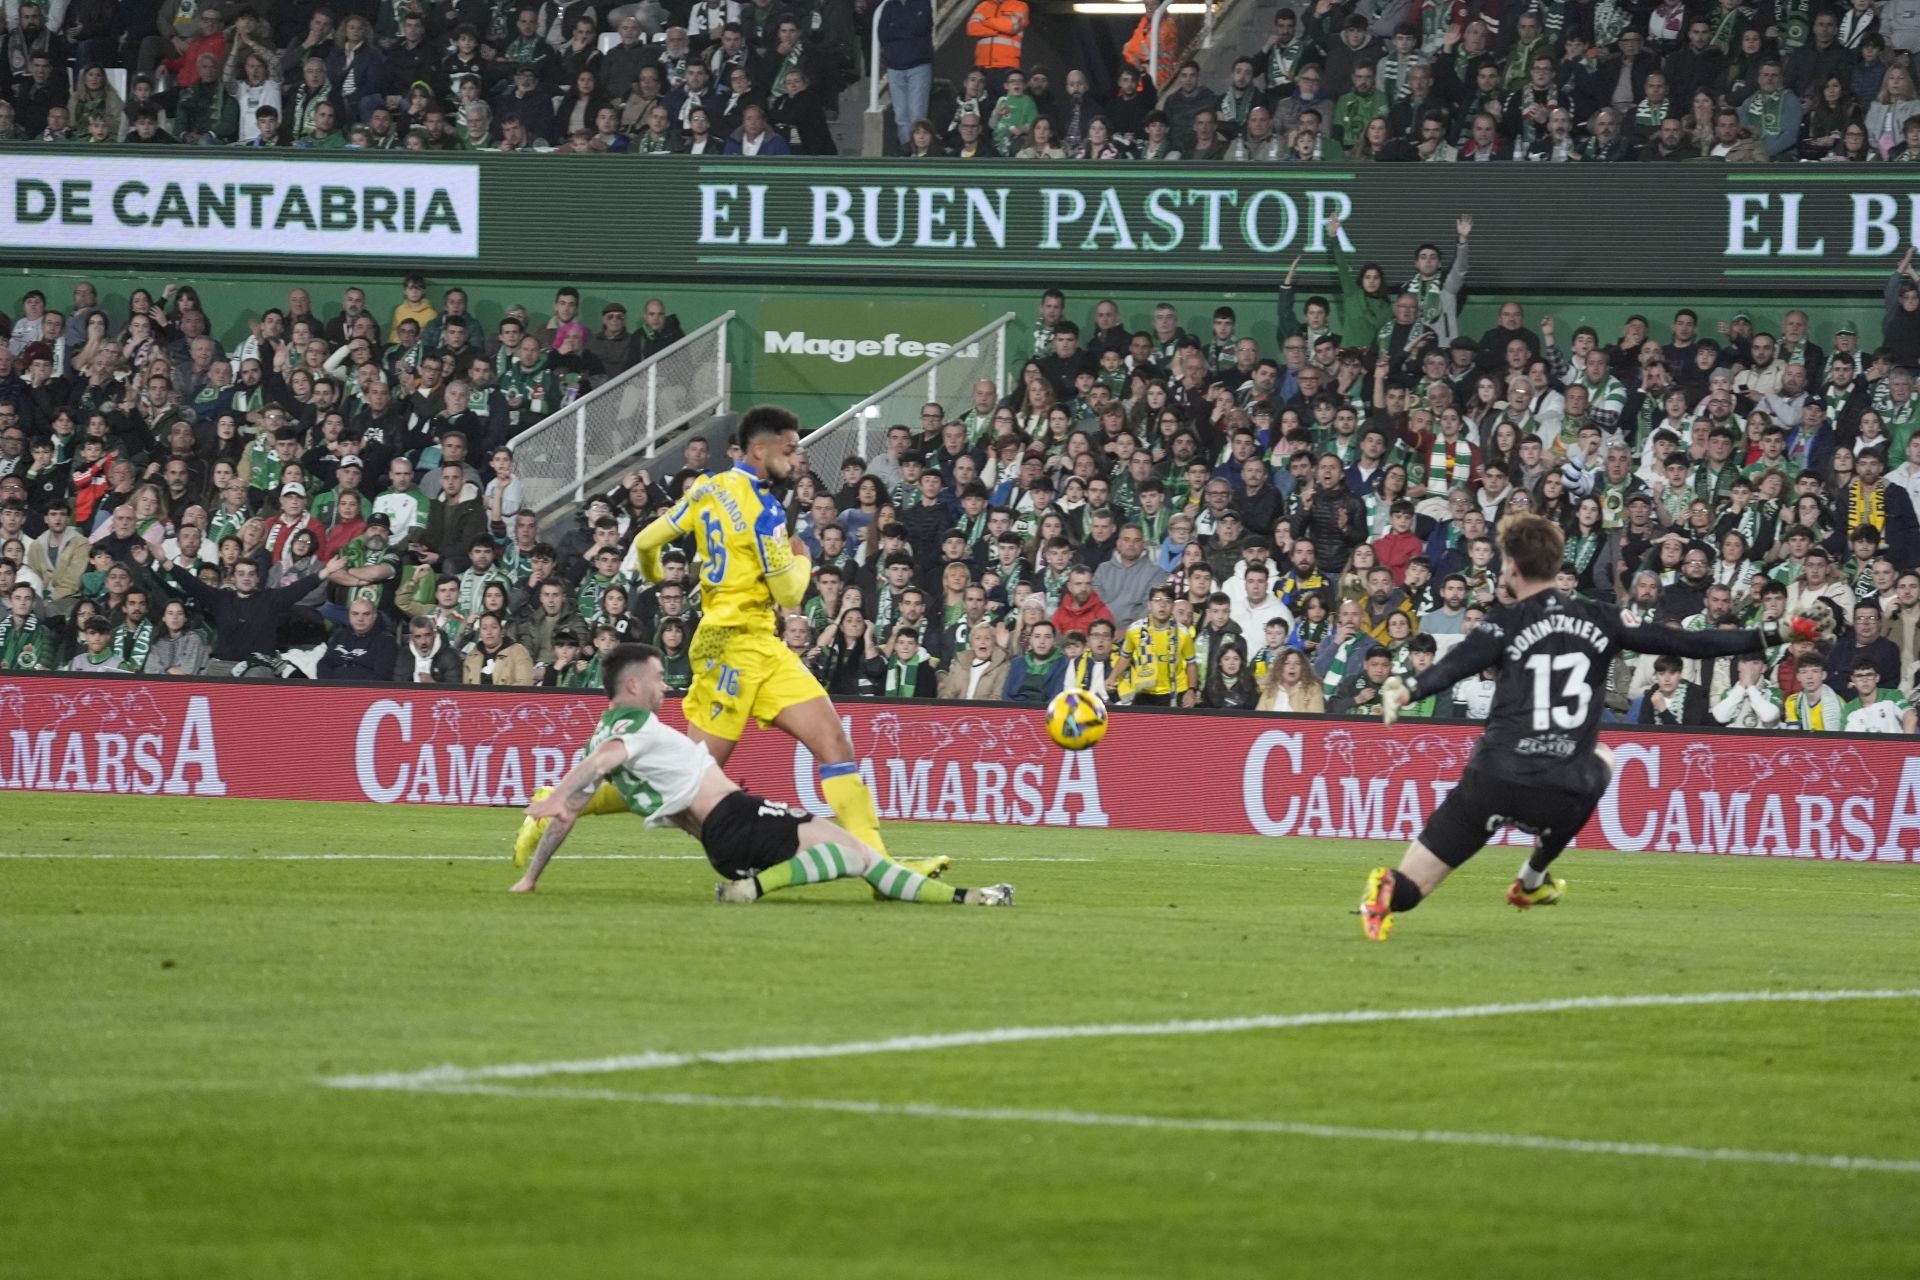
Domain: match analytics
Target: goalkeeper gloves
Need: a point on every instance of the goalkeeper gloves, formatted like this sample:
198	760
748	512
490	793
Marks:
1393	696
1811	621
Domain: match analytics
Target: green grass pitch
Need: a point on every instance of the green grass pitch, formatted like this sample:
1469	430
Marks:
165	1023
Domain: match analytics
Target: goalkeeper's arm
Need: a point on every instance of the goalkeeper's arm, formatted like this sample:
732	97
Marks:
1806	623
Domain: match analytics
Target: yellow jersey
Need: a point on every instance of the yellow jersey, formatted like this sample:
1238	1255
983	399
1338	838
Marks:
1158	657
744	558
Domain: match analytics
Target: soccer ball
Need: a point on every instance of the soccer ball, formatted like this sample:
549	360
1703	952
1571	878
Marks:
1076	719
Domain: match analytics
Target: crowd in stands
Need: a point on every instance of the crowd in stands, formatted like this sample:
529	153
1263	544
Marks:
196	501
710	77
1170	514
1447	81
1339	81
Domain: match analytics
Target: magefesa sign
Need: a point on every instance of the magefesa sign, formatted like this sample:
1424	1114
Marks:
815	345
352	206
1139	224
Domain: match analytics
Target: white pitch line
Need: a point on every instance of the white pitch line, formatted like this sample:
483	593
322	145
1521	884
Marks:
334	857
654	1060
400	857
1285	1128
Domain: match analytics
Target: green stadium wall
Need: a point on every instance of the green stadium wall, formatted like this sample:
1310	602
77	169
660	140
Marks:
980	240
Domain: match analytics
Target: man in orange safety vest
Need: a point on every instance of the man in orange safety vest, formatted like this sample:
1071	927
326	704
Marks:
1000	27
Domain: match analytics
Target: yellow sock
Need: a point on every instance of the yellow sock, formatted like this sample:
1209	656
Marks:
606	799
842	787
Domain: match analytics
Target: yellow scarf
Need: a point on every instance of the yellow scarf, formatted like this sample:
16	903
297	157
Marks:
1807	715
1867	508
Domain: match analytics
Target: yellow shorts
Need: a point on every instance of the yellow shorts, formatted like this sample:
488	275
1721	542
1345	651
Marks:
739	673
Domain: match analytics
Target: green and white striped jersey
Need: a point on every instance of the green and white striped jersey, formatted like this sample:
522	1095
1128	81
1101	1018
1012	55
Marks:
663	767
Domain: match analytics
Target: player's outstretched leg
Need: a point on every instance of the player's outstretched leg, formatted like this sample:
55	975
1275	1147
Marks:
606	799
1534	886
1391	891
829	853
816	726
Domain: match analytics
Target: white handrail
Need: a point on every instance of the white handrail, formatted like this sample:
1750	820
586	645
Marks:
610	385
565	467
1153	44
873	66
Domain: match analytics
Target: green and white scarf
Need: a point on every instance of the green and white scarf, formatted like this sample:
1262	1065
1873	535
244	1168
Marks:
903	678
1444	464
1310	634
25	645
132	643
1761	515
1766	111
1725	25
1676	703
1794	18
1337	669
224	524
1283	62
1609	20
1426	289
1390	73
1011	576
1042	339
1582	549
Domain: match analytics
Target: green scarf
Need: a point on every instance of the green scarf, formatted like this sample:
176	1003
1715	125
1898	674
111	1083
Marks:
1768	109
224	524
1054	584
1039	672
358	555
1444	464
1283	61
1725	25
1042	345
1426	289
1390	73
1581	550
25	645
132	643
903	677
1337	669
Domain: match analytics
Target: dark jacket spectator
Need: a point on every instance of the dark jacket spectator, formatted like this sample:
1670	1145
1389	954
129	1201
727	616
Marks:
245	620
649	342
359	655
441	663
1319	520
906	34
452	525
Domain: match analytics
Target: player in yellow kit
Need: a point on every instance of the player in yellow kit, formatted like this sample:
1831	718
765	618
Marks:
748	564
1156	656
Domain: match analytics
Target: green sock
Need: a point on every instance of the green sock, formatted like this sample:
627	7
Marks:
778	876
895	881
812	865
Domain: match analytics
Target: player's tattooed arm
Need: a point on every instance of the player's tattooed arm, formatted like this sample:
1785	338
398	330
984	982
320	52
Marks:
570	795
550	842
